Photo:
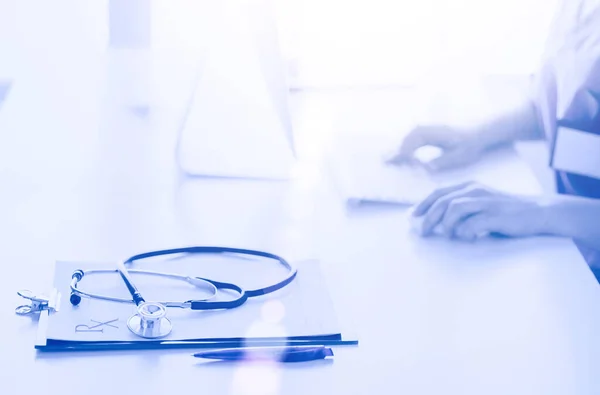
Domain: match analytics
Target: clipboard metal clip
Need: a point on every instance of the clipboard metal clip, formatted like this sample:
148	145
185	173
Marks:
38	303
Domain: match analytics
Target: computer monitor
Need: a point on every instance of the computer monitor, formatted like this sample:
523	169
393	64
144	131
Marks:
238	123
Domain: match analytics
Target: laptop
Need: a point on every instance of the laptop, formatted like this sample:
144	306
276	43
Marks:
238	121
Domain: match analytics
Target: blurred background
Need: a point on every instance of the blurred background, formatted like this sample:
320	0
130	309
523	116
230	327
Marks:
326	42
93	92
111	76
336	42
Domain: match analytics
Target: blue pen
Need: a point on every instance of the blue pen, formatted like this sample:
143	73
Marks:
277	354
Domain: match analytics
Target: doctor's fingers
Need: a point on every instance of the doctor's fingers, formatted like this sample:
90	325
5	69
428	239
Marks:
477	226
461	209
436	135
458	157
426	203
438	209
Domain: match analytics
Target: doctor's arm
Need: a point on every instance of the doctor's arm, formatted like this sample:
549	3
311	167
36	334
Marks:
575	217
462	146
519	124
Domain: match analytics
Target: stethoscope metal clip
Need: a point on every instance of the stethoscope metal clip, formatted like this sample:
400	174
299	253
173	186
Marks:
38	303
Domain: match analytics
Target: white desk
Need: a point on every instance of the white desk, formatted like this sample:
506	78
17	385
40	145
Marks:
433	317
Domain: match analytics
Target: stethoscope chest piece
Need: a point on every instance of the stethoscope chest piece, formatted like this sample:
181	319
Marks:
150	321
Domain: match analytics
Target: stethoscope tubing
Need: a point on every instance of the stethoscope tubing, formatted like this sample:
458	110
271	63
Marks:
212	285
228	250
193	280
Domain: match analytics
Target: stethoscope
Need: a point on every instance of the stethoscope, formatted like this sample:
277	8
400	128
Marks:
149	320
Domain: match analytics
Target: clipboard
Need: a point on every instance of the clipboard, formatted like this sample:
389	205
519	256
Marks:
308	316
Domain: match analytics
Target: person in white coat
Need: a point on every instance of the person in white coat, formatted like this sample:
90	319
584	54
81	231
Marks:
564	109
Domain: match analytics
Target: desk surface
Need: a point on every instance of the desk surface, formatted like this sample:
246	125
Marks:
83	179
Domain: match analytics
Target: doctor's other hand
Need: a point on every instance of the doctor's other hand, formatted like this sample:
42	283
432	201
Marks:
469	211
459	147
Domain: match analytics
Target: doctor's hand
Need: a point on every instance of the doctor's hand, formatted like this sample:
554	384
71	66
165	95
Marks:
470	210
459	147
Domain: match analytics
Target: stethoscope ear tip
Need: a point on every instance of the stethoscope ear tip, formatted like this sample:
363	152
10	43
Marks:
74	299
